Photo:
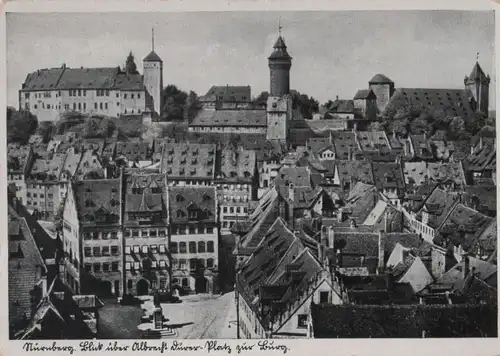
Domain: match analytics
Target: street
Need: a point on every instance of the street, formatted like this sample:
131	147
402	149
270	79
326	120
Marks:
202	316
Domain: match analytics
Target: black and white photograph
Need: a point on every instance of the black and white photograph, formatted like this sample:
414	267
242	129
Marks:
251	175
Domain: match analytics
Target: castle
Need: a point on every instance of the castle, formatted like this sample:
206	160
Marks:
111	91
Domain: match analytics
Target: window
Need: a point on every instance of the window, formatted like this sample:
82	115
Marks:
192	264
79	106
182	247
97	267
323	297
145	233
192	230
131	96
144	249
137	266
105	250
129	284
153	233
210	246
163	283
114	266
135	233
88	267
162	249
100	106
79	92
127	267
173	247
106	106
175	263
224	209
210	262
114	235
105	267
302	321
117	95
107	92
192	247
154	248
182	264
138	96
162	264
201	246
127	250
185	282
96	251
136	249
153	264
88	252
95	106
210	230
125	96
84	93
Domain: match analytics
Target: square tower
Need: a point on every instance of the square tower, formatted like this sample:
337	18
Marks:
279	112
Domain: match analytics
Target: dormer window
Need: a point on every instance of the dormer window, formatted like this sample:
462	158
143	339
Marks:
180	214
179	198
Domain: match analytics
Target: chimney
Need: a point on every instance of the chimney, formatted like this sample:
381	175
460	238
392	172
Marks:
381	253
466	268
340	216
386	222
291	192
480	142
291	196
43	285
331	237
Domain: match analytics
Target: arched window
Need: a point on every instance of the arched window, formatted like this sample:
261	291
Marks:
201	246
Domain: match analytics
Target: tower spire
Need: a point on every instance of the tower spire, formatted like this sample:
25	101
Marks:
153	38
477	57
279	26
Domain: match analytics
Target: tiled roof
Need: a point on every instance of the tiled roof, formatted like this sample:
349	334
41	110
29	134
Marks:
229	93
483	158
299	176
189	161
380	79
454	277
88	78
145	193
421	147
152	57
388	175
319	144
237	165
437	205
24	261
360	171
192	204
415	173
455	102
460	150
134	151
361	200
445	172
240	118
265	258
95	144
481	197
342	107
372	140
71	162
261	219
48	169
364	94
124	81
298	136
89	164
43	79
98	201
476	74
402	321
465	225
344	141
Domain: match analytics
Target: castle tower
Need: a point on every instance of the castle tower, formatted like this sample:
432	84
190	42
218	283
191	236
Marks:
279	112
153	80
280	63
479	85
383	88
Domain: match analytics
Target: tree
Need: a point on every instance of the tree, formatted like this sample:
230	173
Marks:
130	66
328	104
193	106
174	103
261	99
307	106
20	125
47	130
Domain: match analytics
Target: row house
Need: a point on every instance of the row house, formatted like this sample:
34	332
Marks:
194	238
145	234
237	186
92	236
19	161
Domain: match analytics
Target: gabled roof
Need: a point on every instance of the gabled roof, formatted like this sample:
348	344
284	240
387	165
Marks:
280	50
365	94
95	196
341	107
358	171
188	160
237	165
204	198
388	175
240	118
229	93
446	172
437	205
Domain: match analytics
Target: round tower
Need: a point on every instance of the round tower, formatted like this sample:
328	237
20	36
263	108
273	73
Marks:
280	63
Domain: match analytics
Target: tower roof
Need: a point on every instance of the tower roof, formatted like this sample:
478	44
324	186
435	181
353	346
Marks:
280	49
152	57
380	79
477	73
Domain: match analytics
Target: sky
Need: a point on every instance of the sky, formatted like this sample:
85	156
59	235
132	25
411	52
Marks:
334	53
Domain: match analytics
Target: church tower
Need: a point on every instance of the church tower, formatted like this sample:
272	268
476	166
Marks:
280	63
153	80
479	85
